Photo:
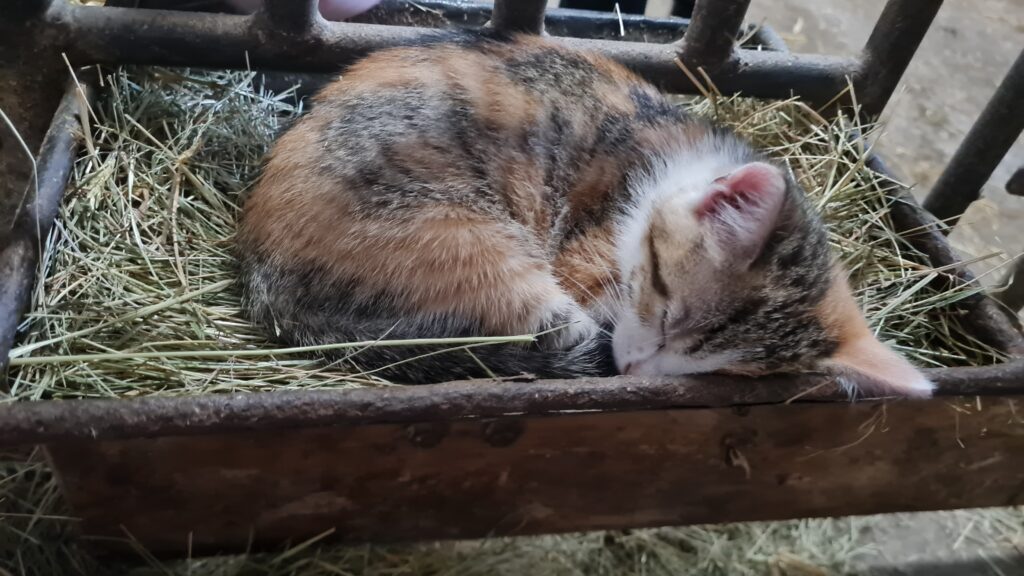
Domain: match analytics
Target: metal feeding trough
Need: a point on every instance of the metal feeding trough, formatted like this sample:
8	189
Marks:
471	459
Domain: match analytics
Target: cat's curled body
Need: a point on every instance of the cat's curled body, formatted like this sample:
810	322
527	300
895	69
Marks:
489	187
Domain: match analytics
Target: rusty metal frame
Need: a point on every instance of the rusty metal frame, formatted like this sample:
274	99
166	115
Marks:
37	33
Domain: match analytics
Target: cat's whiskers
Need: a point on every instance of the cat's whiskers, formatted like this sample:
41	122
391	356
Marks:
596	301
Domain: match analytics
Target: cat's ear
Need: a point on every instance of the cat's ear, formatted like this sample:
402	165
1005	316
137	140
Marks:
741	210
868	367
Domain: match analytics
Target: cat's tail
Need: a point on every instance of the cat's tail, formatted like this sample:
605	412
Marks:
300	317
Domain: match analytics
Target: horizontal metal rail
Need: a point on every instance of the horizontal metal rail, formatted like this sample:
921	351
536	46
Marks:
91	35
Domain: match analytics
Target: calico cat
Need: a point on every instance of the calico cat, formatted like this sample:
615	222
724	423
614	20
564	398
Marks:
512	186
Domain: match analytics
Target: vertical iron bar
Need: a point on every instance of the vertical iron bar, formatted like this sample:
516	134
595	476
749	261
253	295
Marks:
709	40
889	50
290	16
519	16
985	145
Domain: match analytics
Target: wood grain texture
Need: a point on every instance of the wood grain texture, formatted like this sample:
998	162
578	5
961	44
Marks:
539	474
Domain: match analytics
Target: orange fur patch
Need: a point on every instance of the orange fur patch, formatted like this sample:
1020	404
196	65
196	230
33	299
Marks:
586	266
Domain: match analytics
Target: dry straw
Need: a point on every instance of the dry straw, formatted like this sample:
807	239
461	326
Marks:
139	298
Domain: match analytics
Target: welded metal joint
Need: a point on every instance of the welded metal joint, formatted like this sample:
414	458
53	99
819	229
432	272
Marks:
710	40
519	16
289	17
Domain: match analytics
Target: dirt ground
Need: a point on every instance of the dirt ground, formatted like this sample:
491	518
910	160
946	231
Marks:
961	61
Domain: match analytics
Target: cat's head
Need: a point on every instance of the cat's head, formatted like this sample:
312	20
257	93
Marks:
730	271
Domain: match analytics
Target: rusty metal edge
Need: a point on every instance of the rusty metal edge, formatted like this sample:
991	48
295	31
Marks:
52	420
93	35
56	420
19	254
709	40
985	317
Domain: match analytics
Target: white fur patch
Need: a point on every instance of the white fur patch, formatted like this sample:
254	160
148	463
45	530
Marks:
685	175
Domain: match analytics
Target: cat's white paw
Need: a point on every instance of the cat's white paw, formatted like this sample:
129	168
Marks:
565	324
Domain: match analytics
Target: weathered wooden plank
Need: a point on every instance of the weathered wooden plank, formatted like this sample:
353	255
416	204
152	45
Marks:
535	474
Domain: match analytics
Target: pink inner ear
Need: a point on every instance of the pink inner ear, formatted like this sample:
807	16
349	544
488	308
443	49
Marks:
752	184
741	210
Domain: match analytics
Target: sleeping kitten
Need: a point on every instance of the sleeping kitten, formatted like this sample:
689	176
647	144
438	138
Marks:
511	186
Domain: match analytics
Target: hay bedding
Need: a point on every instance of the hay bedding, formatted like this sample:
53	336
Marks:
139	298
139	294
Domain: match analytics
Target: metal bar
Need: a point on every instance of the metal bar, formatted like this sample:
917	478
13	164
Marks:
110	35
19	255
463	14
289	16
708	42
30	74
766	37
519	16
985	319
47	421
889	50
763	74
985	145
